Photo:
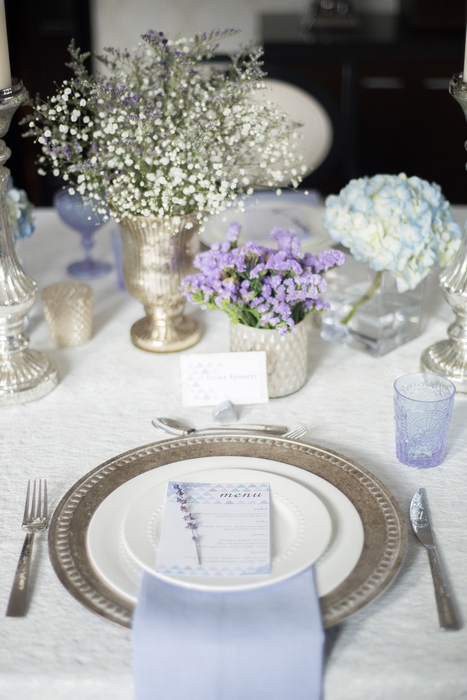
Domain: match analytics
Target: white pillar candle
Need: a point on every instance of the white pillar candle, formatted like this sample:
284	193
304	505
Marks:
5	73
464	76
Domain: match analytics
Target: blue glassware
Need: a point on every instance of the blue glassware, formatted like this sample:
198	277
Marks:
80	216
423	406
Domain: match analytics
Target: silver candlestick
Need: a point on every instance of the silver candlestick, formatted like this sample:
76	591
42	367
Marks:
449	357
25	374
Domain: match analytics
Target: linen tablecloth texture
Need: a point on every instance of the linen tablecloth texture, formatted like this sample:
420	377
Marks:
108	393
257	644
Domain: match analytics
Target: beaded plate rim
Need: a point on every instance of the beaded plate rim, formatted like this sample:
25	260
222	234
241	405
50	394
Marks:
385	532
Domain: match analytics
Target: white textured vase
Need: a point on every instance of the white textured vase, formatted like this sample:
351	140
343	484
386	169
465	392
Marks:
286	355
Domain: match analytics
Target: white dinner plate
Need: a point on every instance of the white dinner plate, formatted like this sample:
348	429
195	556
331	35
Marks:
266	210
106	547
301	529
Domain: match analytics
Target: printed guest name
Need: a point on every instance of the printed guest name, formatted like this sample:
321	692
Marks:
232	377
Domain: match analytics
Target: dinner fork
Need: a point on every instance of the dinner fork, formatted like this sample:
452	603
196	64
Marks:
296	432
34	519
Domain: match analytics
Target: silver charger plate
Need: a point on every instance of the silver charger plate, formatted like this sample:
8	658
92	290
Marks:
385	532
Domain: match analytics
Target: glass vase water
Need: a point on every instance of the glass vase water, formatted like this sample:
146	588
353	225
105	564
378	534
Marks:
368	313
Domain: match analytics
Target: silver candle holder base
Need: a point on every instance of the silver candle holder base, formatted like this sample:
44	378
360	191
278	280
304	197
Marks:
25	374
449	357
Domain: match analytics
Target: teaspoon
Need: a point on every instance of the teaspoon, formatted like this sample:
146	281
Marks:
179	427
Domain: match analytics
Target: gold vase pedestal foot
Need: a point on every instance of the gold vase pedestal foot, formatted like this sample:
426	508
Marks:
159	335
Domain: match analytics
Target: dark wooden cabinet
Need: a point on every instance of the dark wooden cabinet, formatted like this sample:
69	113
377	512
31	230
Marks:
389	86
39	33
386	89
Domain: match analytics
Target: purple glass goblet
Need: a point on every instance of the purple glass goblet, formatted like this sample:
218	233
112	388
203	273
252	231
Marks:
77	213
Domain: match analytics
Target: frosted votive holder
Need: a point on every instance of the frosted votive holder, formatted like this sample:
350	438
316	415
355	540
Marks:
68	312
423	406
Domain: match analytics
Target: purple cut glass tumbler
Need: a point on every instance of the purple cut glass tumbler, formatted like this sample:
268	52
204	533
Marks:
80	216
423	406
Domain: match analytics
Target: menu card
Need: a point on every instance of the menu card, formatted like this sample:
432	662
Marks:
213	529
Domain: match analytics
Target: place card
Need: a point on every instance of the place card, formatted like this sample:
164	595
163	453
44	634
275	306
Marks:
213	529
238	377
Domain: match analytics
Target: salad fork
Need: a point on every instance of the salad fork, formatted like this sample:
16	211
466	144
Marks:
296	432
34	519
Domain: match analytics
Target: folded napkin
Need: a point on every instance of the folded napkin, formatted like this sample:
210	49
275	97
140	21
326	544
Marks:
258	644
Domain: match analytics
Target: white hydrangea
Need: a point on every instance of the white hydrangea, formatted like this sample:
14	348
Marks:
396	223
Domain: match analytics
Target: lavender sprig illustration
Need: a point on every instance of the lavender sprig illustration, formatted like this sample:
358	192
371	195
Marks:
189	518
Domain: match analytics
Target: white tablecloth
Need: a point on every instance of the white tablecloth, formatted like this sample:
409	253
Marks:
108	393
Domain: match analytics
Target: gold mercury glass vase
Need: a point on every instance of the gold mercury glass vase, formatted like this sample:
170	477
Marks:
157	254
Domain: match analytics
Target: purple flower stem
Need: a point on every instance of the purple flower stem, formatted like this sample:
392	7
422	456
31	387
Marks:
188	518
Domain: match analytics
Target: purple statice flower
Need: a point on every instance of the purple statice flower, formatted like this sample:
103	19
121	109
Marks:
325	260
287	241
233	232
258	286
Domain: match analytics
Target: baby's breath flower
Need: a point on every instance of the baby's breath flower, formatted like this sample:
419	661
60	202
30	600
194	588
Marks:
162	119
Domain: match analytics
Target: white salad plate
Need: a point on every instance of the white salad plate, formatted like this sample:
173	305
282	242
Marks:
301	528
119	558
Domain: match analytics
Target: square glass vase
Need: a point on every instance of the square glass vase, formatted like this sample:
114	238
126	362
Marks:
367	312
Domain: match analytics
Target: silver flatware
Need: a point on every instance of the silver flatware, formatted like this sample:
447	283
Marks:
296	432
180	427
421	525
34	519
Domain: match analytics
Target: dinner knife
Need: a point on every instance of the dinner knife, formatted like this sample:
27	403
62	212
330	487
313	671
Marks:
421	525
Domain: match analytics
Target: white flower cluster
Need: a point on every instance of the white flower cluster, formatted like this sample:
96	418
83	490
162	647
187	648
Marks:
167	130
396	223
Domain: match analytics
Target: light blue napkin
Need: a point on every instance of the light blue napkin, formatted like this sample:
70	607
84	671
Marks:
260	644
